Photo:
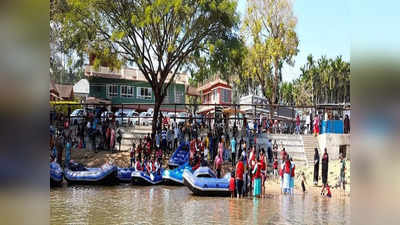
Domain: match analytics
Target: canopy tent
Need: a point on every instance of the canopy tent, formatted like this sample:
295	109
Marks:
231	110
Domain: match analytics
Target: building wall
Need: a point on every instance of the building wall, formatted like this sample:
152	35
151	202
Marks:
97	89
332	143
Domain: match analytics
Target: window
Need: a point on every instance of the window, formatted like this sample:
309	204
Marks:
144	93
214	95
111	90
179	97
126	91
226	95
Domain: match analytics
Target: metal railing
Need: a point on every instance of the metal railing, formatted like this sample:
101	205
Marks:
226	115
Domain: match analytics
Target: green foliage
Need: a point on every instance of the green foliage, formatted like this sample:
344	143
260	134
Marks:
270	24
323	81
159	36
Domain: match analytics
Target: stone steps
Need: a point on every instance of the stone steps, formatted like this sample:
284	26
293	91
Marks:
310	143
293	145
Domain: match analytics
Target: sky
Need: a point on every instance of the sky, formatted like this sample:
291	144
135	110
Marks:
323	28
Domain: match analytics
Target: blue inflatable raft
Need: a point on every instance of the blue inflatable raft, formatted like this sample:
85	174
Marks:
125	175
204	182
106	175
56	174
174	176
180	156
143	178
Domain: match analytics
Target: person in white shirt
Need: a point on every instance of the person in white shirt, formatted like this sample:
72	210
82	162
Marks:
307	124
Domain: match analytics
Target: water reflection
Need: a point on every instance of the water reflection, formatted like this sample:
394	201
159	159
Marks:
128	204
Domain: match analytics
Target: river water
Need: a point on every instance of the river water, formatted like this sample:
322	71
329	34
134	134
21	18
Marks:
127	204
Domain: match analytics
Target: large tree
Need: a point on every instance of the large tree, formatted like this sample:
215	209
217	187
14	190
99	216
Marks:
271	26
159	36
328	80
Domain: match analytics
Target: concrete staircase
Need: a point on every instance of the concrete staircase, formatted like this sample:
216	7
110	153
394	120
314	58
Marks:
131	135
294	146
310	143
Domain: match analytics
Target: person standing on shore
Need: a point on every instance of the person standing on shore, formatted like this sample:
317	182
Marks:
286	175
316	125
292	175
239	177
346	124
233	150
303	182
316	166
132	155
342	181
68	151
325	161
308	120
232	184
297	124
257	192
112	139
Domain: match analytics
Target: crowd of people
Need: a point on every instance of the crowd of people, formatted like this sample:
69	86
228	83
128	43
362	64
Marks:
249	161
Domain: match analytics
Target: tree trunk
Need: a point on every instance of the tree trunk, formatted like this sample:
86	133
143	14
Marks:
157	105
274	87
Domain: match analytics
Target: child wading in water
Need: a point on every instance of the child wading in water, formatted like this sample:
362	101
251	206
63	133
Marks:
328	191
232	184
303	182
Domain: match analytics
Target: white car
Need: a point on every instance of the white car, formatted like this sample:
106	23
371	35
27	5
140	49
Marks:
145	118
121	117
181	118
105	115
77	116
132	118
239	120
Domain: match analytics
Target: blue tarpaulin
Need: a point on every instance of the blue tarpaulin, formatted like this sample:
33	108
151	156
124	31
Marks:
332	126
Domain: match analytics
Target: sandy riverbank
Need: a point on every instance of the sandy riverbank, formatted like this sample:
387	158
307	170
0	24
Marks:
122	159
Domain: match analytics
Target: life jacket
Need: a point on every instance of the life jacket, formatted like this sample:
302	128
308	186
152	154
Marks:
148	167
275	165
138	166
287	168
258	171
329	194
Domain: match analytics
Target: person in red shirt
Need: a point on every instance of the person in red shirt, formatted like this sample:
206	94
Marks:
239	177
275	166
138	166
232	184
286	175
263	163
257	179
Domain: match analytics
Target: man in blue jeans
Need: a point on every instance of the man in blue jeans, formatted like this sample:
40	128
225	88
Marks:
233	150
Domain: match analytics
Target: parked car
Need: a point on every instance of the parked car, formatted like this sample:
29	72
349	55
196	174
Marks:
239	120
198	118
133	118
77	116
106	114
121	117
181	118
146	118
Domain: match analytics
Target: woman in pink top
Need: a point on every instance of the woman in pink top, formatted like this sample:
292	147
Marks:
112	139
316	125
220	148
